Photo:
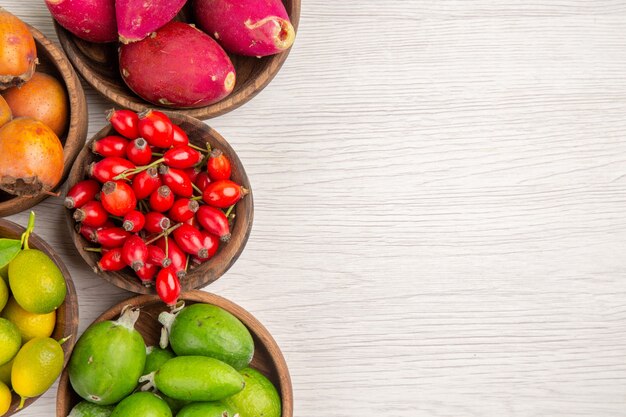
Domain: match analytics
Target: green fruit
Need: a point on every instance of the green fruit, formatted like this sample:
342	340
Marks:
208	330
4	294
108	360
36	282
35	368
5	373
87	409
215	409
4	274
197	378
142	404
258	399
155	358
10	340
175	405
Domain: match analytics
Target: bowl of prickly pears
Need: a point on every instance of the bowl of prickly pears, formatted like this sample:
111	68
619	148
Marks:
38	316
204	356
223	52
159	203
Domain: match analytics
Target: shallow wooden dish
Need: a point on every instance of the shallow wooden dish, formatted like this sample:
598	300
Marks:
54	62
98	64
67	313
267	355
204	274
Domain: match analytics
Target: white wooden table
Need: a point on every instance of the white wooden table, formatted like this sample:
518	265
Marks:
440	208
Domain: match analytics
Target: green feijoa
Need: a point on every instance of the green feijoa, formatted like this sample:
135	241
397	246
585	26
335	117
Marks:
87	409
208	409
155	357
142	404
208	330
197	378
108	359
259	398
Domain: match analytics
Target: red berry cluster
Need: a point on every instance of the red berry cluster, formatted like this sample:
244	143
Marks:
152	183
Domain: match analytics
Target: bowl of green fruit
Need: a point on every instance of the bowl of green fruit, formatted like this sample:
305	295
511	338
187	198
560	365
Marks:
38	316
205	357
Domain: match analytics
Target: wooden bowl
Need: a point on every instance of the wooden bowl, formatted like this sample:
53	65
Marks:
54	62
67	313
98	64
268	358
204	274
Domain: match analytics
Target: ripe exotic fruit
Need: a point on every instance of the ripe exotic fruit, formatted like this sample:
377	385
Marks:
18	54
218	166
5	112
177	180
156	222
134	221
214	221
135	252
247	27
183	210
204	72
92	214
146	182
110	146
125	122
182	157
223	194
191	241
108	168
31	157
136	19
118	198
81	193
162	199
168	286
179	137
156	128
112	261
138	152
93	20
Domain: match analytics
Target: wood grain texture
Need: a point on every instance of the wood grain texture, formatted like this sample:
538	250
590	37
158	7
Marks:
200	134
440	208
268	358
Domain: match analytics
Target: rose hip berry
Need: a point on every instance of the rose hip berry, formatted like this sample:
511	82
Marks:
168	286
156	128
156	256
202	180
118	198
176	255
125	122
134	221
81	193
162	199
177	180
210	242
218	166
92	214
156	222
223	194
146	182
108	168
190	240
179	137
147	272
138	152
214	221
114	146
183	210
113	237
112	261
135	252
182	157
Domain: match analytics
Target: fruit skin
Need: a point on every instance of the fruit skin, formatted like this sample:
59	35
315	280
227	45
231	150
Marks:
5	373
111	237
197	378
144	404
107	168
218	166
110	146
179	137
134	221
36	281
81	193
202	180
4	294
155	358
10	341
136	19
156	256
182	157
125	122
156	222
162	199
204	72
5	112
138	152
168	286
214	221
118	198
177	180
246	27
208	409
37	365
189	239
146	182
30	325
223	194
207	330
87	409
92	214
92	20
156	128
183	209
43	98
18	53
107	360
258	398
31	157
112	261
5	398
175	254
135	252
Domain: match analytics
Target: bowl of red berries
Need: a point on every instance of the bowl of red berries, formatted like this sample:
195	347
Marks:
158	202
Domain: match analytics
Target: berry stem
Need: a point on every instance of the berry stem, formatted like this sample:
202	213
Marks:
164	233
92	249
230	209
195	187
